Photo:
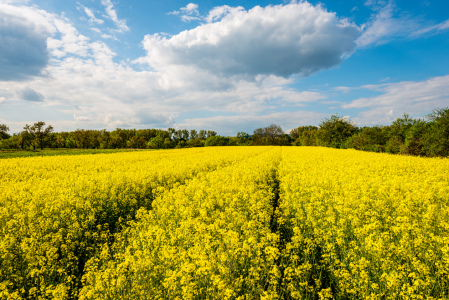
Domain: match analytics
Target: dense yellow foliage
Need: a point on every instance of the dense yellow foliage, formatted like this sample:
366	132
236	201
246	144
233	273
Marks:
361	225
56	212
209	238
225	223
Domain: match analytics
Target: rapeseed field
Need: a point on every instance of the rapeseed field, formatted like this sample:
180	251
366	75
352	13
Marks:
225	223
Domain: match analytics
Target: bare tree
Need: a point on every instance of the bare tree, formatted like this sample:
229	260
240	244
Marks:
269	135
273	134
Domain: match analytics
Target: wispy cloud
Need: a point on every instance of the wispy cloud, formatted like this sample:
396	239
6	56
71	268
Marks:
344	89
191	13
112	14
431	29
191	9
387	24
81	118
15	1
412	97
89	12
188	13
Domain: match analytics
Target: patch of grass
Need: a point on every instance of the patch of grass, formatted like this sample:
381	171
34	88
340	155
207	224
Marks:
59	151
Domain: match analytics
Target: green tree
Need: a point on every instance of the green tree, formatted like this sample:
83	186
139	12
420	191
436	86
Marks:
105	139
95	139
195	143
295	134
185	134
61	138
217	140
334	131
24	140
193	134
202	135
285	140
308	137
119	137
10	143
369	139
168	144
137	142
243	138
4	132
414	142
210	133
301	135
177	135
172	132
181	144
37	135
157	142
397	134
436	139
82	138
51	140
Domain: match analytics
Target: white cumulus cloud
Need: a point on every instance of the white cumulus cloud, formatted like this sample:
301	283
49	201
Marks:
220	11
239	65
23	42
280	40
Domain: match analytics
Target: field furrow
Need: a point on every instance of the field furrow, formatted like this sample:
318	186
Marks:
360	225
208	239
225	223
57	212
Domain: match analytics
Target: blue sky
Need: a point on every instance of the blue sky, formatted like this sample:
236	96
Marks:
226	66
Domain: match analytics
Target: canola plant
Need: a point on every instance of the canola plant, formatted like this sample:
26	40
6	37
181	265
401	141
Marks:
361	225
225	223
57	212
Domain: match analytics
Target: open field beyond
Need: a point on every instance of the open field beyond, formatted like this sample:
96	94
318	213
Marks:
58	151
225	223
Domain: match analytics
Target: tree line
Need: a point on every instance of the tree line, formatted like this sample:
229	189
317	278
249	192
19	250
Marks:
37	136
427	136
423	136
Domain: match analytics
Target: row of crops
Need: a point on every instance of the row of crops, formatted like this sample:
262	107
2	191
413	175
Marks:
225	223
364	226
